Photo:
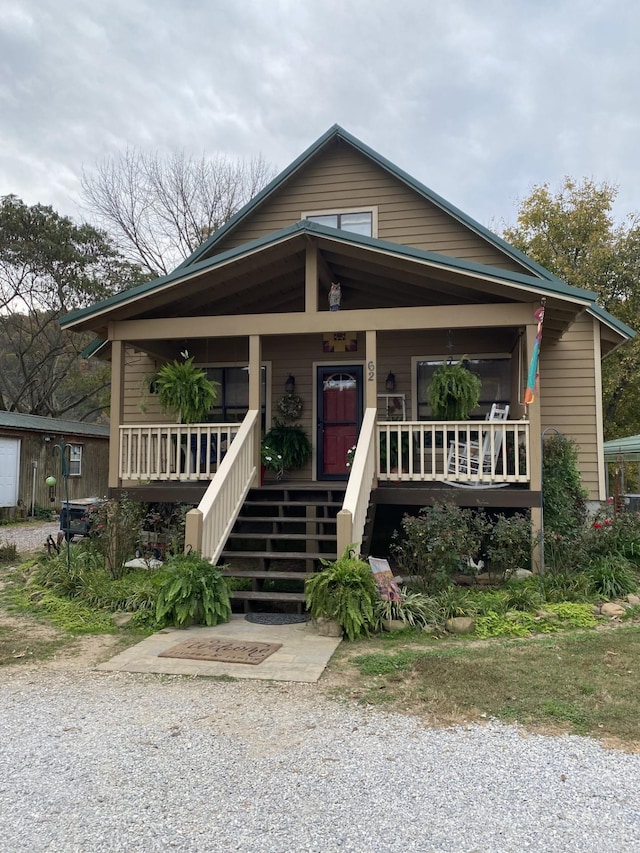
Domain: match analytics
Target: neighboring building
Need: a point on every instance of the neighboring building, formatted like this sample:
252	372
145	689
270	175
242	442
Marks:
30	452
420	283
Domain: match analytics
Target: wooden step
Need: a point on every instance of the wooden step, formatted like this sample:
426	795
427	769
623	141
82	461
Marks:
250	595
283	537
279	555
260	573
289	519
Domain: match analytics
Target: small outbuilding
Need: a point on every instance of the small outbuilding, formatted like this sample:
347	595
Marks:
31	449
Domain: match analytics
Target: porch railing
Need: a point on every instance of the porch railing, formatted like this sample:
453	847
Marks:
208	526
173	451
448	451
353	515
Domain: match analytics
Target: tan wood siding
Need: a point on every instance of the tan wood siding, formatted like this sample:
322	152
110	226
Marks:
568	389
343	178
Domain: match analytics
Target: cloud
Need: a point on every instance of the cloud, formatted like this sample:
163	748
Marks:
477	101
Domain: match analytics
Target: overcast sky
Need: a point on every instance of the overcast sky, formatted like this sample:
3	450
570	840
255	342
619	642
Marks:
478	100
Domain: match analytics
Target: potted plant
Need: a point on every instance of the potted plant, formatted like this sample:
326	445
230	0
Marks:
291	443
344	591
454	392
185	389
270	460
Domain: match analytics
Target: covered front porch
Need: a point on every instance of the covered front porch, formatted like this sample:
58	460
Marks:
412	462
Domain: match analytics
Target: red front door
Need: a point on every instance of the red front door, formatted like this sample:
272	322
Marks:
339	418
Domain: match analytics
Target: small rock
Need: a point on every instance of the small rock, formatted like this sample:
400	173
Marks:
610	608
522	574
121	619
461	625
633	599
429	629
547	615
391	625
328	627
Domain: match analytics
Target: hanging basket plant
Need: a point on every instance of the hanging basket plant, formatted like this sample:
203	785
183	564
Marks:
454	392
185	389
290	407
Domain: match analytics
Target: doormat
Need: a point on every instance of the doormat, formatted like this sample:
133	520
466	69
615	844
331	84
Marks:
222	650
277	618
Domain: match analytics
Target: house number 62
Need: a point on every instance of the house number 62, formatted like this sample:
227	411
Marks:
371	371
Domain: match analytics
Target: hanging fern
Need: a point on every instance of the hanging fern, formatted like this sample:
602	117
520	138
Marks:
454	392
185	389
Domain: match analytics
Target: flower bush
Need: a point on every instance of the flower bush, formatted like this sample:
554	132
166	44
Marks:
269	458
351	453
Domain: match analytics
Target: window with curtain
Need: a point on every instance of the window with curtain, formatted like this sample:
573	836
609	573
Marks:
232	403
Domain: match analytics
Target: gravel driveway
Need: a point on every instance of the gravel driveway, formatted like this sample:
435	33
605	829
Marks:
119	762
29	537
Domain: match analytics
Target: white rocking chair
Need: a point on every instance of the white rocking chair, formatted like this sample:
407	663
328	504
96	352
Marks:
476	460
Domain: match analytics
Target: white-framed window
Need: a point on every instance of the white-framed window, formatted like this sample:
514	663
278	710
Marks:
75	460
356	220
494	370
232	401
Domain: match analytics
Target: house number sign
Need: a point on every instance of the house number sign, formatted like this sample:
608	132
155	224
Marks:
371	372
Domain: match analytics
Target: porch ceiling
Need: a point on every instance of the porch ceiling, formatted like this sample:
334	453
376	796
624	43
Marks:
272	280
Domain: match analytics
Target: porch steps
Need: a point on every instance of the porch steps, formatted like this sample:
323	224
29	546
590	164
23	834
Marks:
278	540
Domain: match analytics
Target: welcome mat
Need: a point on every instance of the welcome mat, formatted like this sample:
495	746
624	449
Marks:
222	650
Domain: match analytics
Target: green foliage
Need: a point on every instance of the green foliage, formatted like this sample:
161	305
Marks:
383	663
509	544
415	610
291	442
185	390
558	586
115	533
345	591
42	513
271	460
572	232
612	576
573	614
454	392
564	496
437	543
75	616
67	575
456	601
49	266
504	625
520	596
192	591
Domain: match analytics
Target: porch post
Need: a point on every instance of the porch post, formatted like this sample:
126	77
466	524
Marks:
311	278
535	453
116	412
255	362
371	371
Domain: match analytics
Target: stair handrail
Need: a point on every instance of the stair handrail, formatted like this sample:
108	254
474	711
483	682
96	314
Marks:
352	517
209	525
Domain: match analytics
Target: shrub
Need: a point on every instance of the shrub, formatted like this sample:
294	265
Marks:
437	543
456	601
415	609
509	545
564	496
8	552
519	596
115	533
345	591
612	576
191	591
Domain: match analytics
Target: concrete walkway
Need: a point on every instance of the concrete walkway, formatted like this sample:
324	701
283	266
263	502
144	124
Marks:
303	655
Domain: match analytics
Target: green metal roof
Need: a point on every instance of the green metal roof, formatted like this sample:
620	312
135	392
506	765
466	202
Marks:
552	286
337	132
36	423
628	448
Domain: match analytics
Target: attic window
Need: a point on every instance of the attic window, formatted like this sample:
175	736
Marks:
355	221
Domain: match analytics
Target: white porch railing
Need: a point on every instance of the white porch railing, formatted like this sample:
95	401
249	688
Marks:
209	525
442	451
353	515
173	451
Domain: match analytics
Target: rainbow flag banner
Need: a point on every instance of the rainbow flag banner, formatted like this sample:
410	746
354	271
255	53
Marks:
533	375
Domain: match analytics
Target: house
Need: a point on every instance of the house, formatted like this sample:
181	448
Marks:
420	284
30	451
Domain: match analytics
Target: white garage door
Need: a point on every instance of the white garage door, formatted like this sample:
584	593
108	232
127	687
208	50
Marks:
9	468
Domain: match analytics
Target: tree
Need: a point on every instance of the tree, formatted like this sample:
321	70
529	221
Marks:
48	267
159	211
573	234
